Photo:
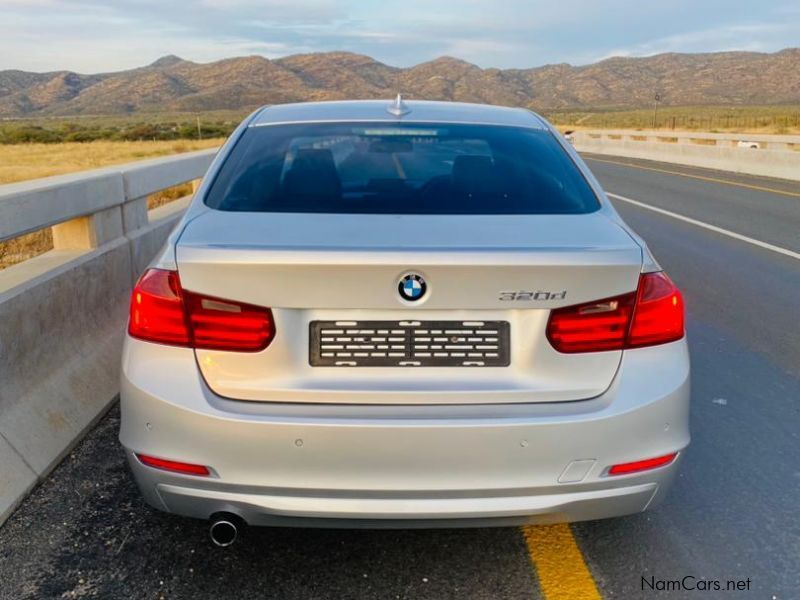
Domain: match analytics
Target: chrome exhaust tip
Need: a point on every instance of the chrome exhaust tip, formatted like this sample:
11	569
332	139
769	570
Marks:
223	530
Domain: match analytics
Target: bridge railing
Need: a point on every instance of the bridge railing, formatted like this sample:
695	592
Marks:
752	154
62	313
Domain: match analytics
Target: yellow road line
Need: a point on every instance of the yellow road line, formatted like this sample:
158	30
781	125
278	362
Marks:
700	177
562	572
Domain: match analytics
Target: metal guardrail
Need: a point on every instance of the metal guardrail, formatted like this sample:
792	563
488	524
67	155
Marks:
62	313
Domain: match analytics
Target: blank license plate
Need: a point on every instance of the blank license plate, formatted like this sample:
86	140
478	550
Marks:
409	344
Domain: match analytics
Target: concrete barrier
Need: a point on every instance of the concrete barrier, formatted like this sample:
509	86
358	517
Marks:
775	155
62	313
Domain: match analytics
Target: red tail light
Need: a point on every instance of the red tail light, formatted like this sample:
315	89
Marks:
163	312
173	465
591	327
157	309
642	465
658	315
651	315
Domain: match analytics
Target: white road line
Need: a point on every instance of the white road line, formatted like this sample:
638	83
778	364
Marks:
714	228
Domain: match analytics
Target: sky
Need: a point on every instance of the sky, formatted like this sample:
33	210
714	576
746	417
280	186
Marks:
90	36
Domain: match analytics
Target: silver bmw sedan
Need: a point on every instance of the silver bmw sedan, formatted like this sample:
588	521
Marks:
402	314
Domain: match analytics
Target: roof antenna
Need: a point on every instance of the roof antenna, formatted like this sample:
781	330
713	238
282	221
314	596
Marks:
398	108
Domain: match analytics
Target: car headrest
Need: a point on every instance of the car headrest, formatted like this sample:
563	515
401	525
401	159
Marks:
313	173
474	174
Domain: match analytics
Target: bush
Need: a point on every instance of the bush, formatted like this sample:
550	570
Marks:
86	135
26	134
19	133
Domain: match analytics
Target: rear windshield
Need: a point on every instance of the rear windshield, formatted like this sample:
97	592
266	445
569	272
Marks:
400	169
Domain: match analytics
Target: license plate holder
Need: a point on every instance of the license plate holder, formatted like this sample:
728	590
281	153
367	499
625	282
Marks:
411	343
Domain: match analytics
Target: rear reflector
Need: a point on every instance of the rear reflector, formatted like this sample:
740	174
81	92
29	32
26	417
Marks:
161	311
173	465
642	465
653	314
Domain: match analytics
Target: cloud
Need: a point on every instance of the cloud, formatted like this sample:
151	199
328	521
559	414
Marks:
754	37
787	9
277	11
29	3
99	35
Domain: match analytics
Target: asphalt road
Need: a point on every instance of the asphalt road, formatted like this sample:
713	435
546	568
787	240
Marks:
733	513
735	510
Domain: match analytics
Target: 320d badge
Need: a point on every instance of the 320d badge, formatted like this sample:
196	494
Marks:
532	296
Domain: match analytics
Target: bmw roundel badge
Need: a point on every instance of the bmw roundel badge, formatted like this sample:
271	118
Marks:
412	287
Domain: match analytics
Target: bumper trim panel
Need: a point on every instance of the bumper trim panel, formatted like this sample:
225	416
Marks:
263	509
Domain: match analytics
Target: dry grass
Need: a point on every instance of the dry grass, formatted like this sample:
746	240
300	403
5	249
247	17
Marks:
32	161
19	162
24	247
168	195
723	119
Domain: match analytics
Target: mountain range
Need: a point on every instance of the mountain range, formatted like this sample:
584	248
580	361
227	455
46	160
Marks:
172	84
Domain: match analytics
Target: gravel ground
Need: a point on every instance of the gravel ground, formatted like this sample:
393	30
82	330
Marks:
86	533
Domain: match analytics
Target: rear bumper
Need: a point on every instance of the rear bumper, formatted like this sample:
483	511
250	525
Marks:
273	508
376	466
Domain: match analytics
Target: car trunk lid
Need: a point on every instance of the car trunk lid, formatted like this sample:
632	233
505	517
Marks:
345	268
